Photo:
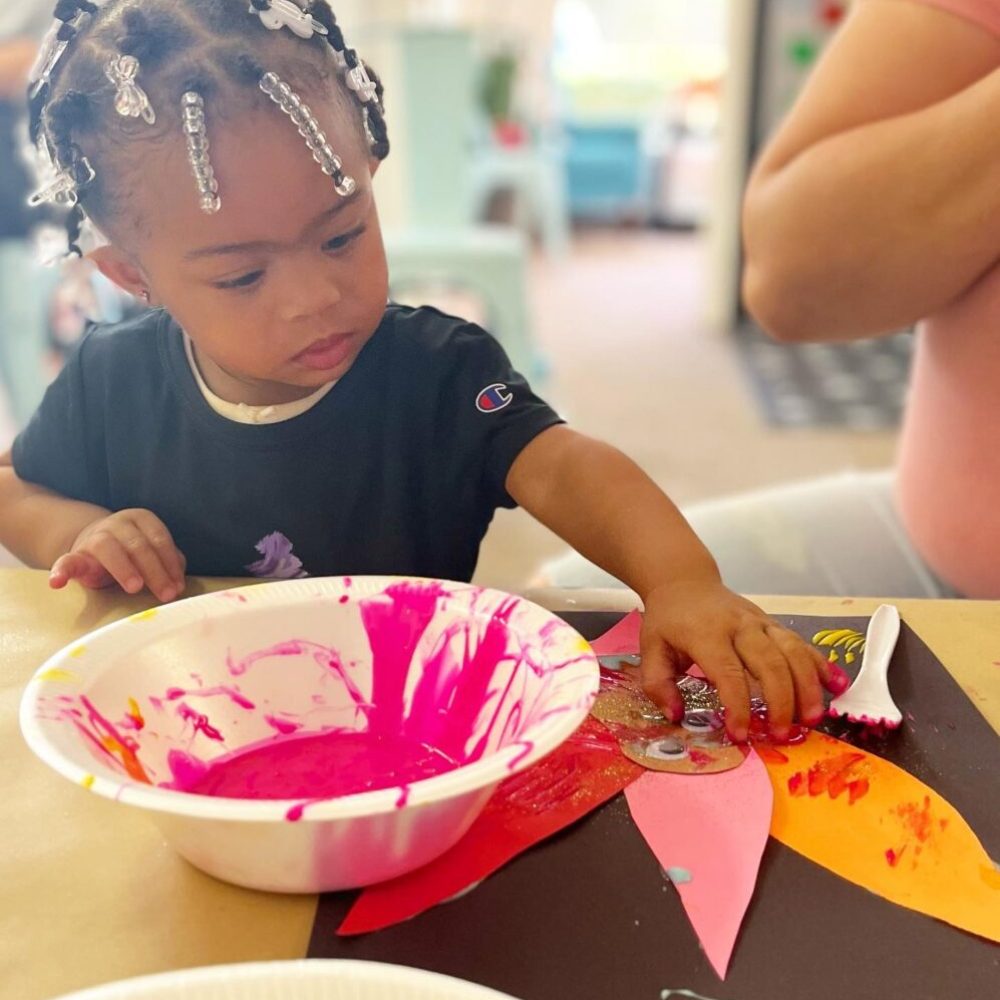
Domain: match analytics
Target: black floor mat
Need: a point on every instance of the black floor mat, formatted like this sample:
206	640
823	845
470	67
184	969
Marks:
859	385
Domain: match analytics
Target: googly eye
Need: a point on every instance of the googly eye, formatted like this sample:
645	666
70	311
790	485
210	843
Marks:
666	749
618	661
652	715
701	722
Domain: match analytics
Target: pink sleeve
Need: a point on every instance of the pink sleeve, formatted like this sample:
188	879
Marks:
985	13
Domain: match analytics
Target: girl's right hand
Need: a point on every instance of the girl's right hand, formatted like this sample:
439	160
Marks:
132	548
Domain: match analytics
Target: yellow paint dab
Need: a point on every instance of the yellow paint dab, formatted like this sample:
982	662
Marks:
135	713
145	616
88	781
77	651
56	674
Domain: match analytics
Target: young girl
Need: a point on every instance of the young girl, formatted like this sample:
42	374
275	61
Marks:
270	414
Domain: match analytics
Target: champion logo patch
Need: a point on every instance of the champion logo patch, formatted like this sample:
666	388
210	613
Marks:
494	397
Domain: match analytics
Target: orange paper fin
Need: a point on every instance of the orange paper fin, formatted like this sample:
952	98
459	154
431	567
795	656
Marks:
876	825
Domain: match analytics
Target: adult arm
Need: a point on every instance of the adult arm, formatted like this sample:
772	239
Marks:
878	201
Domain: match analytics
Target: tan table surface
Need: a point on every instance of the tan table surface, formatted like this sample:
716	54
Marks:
89	893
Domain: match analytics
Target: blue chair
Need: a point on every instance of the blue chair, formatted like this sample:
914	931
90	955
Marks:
607	173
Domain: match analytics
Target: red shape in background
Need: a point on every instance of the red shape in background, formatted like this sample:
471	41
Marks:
832	13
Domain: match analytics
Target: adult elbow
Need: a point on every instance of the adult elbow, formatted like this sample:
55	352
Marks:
778	305
780	290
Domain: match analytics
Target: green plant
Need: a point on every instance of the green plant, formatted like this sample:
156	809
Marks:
496	92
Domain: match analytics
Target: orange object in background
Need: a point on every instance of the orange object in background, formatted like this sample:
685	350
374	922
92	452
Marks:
876	825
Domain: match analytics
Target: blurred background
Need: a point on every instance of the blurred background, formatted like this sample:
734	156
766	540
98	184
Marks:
569	173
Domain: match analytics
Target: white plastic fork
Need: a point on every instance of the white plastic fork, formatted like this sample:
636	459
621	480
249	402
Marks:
868	700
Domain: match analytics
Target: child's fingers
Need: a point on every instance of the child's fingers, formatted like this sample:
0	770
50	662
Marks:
111	553
832	677
659	669
78	566
146	559
725	670
805	673
825	670
767	663
160	538
61	573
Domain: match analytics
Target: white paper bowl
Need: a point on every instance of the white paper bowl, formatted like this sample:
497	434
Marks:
307	980
221	651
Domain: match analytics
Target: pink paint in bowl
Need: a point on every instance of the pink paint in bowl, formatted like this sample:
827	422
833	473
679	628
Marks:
298	742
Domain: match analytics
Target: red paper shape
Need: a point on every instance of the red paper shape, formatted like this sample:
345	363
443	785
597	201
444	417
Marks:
582	774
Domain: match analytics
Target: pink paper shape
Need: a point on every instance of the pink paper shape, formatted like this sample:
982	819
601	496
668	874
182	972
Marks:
714	827
622	639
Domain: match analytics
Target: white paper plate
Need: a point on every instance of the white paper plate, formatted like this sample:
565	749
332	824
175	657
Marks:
305	980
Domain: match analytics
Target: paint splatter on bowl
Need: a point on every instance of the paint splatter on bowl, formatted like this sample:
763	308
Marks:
313	735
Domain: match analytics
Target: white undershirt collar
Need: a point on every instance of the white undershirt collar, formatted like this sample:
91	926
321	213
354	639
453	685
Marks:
243	413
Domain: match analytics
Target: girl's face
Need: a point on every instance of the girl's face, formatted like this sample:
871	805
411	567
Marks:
282	288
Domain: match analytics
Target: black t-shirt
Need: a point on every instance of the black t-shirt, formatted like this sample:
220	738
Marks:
398	469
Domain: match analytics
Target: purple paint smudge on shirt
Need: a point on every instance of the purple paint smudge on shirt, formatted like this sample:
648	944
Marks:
279	562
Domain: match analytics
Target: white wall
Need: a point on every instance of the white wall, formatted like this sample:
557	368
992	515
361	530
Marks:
724	226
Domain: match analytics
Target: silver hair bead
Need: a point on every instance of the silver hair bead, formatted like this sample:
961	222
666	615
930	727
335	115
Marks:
361	83
346	186
285	14
52	49
62	191
198	146
131	101
64	188
52	52
308	127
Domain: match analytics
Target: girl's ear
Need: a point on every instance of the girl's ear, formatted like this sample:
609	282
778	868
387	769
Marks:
118	267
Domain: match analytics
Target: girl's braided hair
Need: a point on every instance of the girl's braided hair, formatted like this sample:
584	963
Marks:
213	47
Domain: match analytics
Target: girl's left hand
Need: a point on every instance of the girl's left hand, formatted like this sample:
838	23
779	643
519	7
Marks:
729	637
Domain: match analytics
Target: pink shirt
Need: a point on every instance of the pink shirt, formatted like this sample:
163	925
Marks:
948	486
982	12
